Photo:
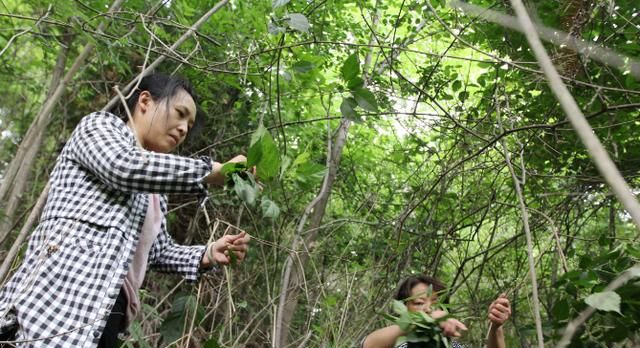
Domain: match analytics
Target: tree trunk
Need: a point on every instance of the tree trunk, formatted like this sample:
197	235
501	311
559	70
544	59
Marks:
576	16
293	274
17	172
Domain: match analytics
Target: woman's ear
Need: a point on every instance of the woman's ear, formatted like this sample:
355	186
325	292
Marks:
144	101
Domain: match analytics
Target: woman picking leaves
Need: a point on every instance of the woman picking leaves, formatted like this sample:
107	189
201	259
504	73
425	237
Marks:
104	222
419	294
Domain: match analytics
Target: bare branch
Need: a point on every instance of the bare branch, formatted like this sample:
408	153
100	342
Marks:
557	37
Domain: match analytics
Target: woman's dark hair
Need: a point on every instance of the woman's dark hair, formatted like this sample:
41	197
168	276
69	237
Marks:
404	289
161	87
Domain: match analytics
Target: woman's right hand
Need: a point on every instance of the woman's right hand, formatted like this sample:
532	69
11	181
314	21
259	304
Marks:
216	177
218	251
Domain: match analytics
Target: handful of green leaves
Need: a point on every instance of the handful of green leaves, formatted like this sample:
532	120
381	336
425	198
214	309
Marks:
264	156
419	327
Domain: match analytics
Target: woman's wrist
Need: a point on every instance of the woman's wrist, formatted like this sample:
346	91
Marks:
207	259
215	177
496	328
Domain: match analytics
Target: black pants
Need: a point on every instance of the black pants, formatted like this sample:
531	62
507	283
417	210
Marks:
8	336
116	323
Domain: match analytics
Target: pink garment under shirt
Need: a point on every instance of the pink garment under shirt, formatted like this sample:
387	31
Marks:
138	267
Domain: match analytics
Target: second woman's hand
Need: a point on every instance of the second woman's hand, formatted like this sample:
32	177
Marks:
450	327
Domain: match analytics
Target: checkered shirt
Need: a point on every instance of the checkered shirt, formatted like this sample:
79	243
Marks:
78	256
454	344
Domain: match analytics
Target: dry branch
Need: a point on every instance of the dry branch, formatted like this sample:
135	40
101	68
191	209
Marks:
175	45
557	37
24	159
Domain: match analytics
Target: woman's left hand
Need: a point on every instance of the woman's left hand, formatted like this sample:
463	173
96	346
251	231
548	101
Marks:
218	252
500	310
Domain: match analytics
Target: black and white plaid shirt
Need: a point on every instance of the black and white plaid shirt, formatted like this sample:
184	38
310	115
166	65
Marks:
79	254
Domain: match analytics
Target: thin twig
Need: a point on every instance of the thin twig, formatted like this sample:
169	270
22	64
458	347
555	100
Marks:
527	231
25	31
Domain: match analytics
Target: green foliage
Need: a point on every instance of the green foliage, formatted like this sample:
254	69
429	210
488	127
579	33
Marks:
180	316
418	326
618	312
298	22
269	209
604	301
351	68
264	155
421	184
246	189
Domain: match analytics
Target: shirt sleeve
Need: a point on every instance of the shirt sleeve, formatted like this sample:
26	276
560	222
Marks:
168	257
103	145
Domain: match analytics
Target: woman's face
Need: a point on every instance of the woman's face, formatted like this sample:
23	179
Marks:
162	126
422	297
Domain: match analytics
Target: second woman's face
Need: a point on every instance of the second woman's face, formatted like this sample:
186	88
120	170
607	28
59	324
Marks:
422	297
162	125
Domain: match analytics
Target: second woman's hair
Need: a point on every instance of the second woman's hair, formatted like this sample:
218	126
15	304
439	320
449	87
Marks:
404	289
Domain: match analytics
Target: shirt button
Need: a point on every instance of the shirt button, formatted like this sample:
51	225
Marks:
96	333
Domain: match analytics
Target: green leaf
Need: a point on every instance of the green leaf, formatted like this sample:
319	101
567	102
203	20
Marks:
269	163
302	158
263	154
366	99
347	109
257	134
302	66
269	209
298	22
310	173
233	259
285	162
399	307
245	191
254	155
560	310
351	68
275	29
212	343
182	310
279	3
608	301
405	322
355	83
138	335
229	168
456	85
